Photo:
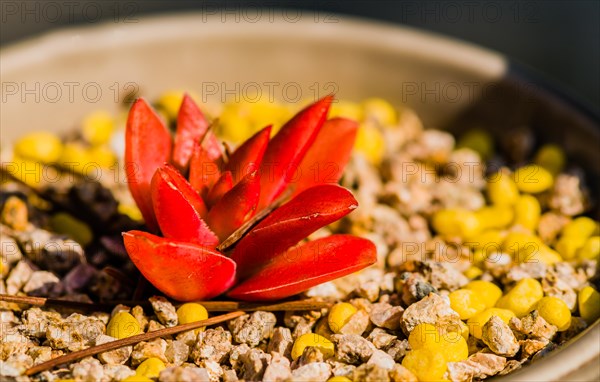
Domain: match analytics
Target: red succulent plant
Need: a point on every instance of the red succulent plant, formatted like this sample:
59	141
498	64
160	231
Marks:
200	199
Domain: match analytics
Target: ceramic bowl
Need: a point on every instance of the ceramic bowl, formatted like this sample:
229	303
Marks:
52	81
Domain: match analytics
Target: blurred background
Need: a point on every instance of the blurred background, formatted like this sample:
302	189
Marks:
559	39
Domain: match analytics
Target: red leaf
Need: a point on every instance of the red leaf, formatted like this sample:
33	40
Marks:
235	207
220	188
212	146
290	223
287	148
203	171
181	270
179	209
191	128
307	265
325	160
247	158
147	146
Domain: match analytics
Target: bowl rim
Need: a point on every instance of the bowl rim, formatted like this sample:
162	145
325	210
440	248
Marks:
387	36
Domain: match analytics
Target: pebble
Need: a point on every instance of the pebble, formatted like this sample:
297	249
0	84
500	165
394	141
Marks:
380	338
177	352
382	360
252	329
281	342
75	333
352	348
214	369
42	283
254	363
386	316
533	326
499	337
369	290
398	349
9	250
178	374
433	309
88	370
357	325
370	373
477	366
278	370
313	372
164	310
144	350
113	357
17	278
401	374
213	344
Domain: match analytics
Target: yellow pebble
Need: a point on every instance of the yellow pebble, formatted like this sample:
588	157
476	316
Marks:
489	241
74	228
150	368
233	126
451	344
516	242
170	102
123	325
502	189
30	172
191	312
522	297
379	110
488	292
77	158
533	179
40	146
15	213
476	322
456	222
339	378
425	364
424	334
580	227
97	128
466	303
478	140
527	212
567	246
137	378
555	311
339	315
103	156
370	143
311	339
588	301
551	157
495	216
590	249
539	254
473	272
130	210
346	109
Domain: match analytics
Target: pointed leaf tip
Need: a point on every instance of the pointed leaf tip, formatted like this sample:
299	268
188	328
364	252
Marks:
287	149
179	209
306	266
192	126
147	146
